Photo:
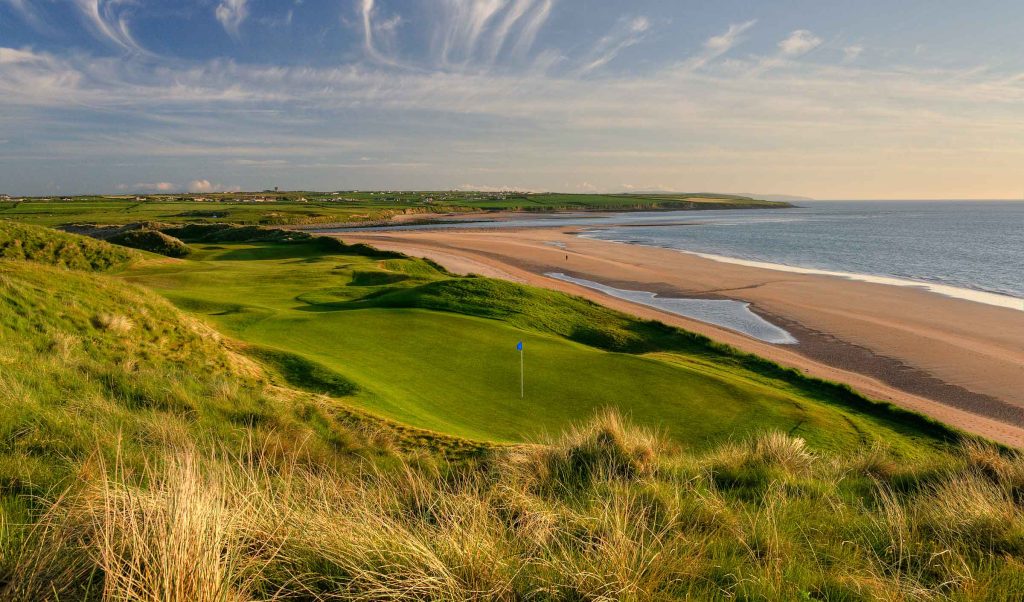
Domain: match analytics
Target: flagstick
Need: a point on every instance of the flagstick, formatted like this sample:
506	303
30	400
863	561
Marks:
522	376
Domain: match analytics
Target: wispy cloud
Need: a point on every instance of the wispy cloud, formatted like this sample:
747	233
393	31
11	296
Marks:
109	20
795	45
798	43
671	96
374	29
462	25
529	15
628	32
717	46
150	187
11	56
464	34
723	43
532	25
27	12
852	53
231	14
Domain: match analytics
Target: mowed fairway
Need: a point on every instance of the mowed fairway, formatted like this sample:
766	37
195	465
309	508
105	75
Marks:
459	374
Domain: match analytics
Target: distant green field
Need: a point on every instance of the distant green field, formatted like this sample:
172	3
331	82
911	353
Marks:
314	207
438	352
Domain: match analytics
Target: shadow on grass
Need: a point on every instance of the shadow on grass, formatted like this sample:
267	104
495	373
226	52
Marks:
302	373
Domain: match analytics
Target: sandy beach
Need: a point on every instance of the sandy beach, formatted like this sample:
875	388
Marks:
958	361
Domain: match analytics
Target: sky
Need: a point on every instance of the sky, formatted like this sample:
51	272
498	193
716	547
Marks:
832	99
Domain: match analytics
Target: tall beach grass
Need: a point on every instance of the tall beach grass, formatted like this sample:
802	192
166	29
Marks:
605	511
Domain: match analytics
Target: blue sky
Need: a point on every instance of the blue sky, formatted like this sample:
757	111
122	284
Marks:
866	99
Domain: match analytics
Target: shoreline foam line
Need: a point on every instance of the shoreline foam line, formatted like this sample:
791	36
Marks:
727	313
955	292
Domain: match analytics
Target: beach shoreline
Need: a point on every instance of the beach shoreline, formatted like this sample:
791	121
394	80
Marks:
955	292
955	360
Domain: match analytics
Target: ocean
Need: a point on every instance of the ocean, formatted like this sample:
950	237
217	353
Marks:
967	249
970	249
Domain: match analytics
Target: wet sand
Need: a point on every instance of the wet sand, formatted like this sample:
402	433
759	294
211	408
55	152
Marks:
958	361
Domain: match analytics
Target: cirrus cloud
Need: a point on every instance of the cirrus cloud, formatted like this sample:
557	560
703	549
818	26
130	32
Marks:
799	42
231	14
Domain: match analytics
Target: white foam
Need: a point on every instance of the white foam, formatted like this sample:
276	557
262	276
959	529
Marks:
942	289
946	290
727	313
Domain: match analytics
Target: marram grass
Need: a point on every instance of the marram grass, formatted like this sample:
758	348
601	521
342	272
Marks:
144	457
606	511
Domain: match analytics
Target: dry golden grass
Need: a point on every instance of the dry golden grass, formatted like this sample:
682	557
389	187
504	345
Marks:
605	512
113	322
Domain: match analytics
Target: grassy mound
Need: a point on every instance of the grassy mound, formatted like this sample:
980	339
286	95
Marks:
43	245
581	320
153	241
92	363
232	233
536	309
603	512
438	352
95	370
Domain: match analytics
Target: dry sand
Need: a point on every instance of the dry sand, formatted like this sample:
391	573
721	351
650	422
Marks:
958	361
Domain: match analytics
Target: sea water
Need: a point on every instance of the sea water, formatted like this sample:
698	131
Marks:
972	250
967	249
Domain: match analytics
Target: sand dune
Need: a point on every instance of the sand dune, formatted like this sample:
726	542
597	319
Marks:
958	361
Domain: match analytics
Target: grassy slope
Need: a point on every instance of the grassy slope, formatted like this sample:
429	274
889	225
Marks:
374	322
141	458
20	241
91	364
88	360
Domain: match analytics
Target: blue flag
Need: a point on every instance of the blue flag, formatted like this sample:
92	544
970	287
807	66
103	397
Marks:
519	346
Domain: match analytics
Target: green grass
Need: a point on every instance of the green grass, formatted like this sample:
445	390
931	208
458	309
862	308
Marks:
438	352
153	241
32	243
145	456
347	207
619	202
91	363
